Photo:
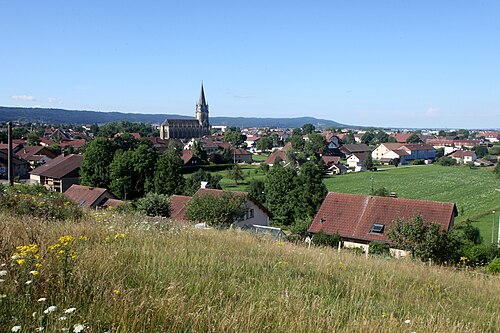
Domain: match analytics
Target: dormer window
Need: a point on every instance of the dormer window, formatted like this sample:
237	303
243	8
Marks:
321	220
377	228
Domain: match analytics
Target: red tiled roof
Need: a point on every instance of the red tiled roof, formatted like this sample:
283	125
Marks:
355	148
59	166
78	143
239	151
352	215
278	153
329	160
35	152
401	137
463	153
416	146
178	207
84	196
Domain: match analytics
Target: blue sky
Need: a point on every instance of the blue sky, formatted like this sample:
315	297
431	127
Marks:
374	63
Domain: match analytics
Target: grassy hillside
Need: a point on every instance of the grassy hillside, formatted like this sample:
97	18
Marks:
129	274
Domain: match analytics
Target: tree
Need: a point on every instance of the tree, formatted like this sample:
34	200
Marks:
216	211
315	145
423	239
235	173
396	161
198	151
167	174
97	158
349	138
3	136
144	160
122	176
256	190
497	169
481	151
33	139
308	128
367	138
154	204
380	192
193	183
234	136
264	144
414	138
310	191
279	187
368	163
297	142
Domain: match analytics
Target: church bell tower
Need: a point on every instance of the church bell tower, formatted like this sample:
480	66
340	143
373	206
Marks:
202	110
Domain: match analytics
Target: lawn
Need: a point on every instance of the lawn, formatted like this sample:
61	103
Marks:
249	172
260	158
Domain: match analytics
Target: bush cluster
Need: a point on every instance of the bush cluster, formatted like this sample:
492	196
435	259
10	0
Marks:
37	201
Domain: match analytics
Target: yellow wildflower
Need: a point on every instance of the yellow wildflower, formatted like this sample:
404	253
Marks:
84	238
20	261
61	252
34	273
38	265
54	247
117	292
118	236
65	240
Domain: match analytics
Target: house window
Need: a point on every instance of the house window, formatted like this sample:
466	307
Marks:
250	213
377	228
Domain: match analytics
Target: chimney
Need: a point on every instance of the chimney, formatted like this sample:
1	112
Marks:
204	184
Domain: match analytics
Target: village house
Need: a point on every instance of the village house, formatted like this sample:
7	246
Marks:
361	219
91	197
356	161
464	156
36	155
256	213
189	159
387	152
384	148
58	174
242	156
349	149
20	167
491	136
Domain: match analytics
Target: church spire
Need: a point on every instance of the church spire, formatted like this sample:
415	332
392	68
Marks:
201	100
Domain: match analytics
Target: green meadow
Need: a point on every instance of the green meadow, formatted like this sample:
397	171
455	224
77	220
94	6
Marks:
126	273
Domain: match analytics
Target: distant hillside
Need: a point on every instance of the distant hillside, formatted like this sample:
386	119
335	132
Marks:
62	116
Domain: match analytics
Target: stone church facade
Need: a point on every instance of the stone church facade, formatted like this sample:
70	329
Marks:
188	128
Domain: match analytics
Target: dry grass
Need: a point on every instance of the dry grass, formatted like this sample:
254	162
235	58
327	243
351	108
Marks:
162	279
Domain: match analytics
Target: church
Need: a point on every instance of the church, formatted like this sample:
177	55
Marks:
188	128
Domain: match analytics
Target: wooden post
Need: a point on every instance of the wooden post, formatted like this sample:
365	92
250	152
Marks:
10	169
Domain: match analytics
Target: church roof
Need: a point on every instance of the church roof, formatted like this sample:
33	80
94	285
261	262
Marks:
201	100
182	122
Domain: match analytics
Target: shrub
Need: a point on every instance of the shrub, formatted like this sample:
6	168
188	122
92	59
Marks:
379	248
37	201
447	161
380	192
494	266
154	204
323	239
418	162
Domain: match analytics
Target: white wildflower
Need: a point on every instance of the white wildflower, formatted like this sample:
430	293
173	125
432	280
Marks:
39	329
28	282
70	310
3	296
50	309
16	328
2	280
42	299
407	321
78	328
3	265
63	318
3	273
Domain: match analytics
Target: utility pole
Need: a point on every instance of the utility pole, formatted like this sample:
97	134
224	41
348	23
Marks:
10	169
493	229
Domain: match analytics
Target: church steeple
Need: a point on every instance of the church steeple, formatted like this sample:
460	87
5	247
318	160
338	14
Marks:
202	110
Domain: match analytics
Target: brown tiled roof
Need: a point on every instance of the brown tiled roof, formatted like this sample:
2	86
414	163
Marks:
34	152
59	166
355	148
391	145
329	160
178	207
463	153
416	146
401	137
239	151
113	203
278	153
77	143
4	156
47	142
187	155
401	152
360	155
84	196
352	215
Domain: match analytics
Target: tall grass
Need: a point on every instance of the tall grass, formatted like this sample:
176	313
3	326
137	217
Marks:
136	275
